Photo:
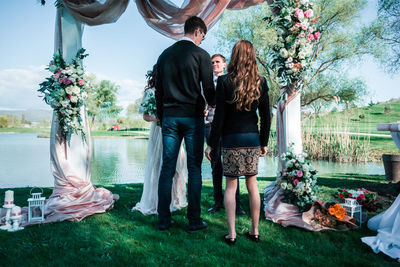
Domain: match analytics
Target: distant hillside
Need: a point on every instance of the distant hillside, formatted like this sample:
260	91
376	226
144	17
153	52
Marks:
33	115
362	119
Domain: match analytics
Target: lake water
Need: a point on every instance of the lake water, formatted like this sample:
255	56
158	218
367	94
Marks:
25	161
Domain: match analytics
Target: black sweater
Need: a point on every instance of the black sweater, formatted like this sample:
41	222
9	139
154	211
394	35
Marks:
228	119
180	70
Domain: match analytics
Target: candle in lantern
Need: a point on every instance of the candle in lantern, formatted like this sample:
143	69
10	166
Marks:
9	198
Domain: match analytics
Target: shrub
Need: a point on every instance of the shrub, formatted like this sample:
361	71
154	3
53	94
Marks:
3	121
387	109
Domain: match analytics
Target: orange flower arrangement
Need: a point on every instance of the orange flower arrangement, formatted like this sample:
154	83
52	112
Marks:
337	211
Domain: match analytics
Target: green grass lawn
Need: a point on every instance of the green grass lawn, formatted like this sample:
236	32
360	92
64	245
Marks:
123	238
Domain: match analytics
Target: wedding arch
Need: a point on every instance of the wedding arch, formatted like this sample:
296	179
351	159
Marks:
168	19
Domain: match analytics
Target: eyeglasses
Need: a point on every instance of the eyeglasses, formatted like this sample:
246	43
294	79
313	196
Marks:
204	36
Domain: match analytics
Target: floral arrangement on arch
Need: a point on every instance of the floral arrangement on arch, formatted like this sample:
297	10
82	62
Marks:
298	180
149	104
66	91
364	197
296	36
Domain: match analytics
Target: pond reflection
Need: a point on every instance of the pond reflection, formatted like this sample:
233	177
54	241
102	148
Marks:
24	161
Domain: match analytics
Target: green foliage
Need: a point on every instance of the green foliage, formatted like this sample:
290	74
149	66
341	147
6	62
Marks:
389	14
343	40
133	108
387	109
3	121
102	100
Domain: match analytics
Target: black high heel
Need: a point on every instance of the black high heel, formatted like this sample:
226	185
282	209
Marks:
229	240
254	238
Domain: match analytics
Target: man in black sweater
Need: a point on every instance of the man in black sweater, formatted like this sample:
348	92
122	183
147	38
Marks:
183	70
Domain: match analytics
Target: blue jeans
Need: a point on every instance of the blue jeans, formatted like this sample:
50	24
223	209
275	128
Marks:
174	129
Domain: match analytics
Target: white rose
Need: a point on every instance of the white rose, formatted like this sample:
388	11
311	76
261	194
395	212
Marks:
284	185
290	65
302	55
290	59
292	52
74	99
76	90
284	53
69	90
289	187
301	16
288	18
84	95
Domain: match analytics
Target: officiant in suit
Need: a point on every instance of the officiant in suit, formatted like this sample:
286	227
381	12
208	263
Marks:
182	70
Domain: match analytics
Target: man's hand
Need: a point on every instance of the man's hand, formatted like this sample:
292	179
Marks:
205	112
263	151
207	153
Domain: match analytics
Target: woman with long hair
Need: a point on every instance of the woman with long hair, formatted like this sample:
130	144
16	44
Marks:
149	200
240	94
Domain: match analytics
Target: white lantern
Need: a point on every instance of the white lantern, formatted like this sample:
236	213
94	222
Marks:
353	209
36	206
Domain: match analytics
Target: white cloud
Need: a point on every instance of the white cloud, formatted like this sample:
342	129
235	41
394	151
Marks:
129	91
18	88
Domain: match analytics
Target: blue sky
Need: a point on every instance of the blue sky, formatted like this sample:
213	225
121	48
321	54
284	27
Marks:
121	52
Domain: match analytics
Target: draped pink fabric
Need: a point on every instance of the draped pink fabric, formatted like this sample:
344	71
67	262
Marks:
94	12
168	19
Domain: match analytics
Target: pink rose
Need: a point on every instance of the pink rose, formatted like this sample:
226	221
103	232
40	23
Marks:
60	80
362	196
311	36
295	182
302	34
317	35
308	13
67	81
80	82
298	12
57	75
304	27
299	173
298	24
69	96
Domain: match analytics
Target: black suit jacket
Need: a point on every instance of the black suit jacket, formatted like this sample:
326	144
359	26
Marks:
183	69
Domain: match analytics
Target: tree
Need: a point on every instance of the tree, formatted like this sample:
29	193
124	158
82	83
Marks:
340	42
133	108
102	98
3	121
389	20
